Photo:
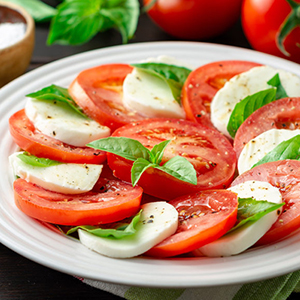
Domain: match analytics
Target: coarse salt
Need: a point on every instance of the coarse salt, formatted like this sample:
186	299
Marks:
11	33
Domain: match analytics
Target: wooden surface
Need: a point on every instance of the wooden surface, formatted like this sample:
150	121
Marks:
21	278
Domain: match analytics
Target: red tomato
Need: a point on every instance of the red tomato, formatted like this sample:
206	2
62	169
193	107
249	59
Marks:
209	151
272	26
36	143
280	114
284	175
110	201
194	19
203	83
98	91
203	218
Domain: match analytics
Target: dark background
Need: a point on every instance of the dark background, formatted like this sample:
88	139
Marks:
21	278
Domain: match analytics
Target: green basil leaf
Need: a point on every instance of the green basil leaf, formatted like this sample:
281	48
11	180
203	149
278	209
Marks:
275	82
40	11
157	151
122	15
247	106
118	233
121	146
57	93
37	161
180	168
174	76
138	168
76	22
251	210
289	149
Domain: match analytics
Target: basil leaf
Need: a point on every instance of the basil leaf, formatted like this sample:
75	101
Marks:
138	168
121	146
57	93
247	106
180	168
251	210
119	233
280	91
174	76
157	151
40	11
289	149
37	161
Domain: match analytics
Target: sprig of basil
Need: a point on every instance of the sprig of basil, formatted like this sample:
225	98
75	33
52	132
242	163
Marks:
174	76
57	93
251	103
122	229
143	158
251	210
289	149
37	161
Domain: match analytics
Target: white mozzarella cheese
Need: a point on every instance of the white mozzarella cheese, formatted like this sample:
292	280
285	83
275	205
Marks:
62	178
150	96
57	120
158	221
247	235
245	84
258	147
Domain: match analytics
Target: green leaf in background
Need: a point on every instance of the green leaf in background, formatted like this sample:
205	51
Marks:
122	230
280	91
247	106
37	161
251	210
174	76
40	11
289	149
55	92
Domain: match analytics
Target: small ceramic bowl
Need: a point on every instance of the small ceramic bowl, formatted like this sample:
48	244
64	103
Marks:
17	33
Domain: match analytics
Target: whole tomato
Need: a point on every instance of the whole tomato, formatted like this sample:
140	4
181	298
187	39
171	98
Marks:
273	26
194	19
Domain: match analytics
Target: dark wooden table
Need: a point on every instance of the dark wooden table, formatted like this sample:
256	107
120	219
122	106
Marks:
21	278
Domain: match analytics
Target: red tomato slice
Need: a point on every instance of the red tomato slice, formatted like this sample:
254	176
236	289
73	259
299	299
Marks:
98	91
203	218
110	201
280	114
284	175
203	83
36	143
209	151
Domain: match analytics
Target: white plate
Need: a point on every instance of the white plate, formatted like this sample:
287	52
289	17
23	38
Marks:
47	247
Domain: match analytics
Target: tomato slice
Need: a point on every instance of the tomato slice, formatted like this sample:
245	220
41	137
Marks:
284	175
98	91
110	201
203	83
29	139
203	217
280	114
210	152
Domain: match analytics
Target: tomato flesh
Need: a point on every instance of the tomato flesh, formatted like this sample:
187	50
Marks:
284	175
209	151
110	201
203	83
29	139
203	218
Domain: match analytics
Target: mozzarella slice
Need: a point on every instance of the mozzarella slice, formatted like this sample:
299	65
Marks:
247	235
245	84
150	96
258	147
62	178
158	221
57	120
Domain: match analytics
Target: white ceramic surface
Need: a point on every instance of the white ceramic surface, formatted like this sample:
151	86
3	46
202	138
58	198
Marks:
39	243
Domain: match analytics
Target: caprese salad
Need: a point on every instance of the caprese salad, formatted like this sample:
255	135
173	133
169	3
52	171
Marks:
160	159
